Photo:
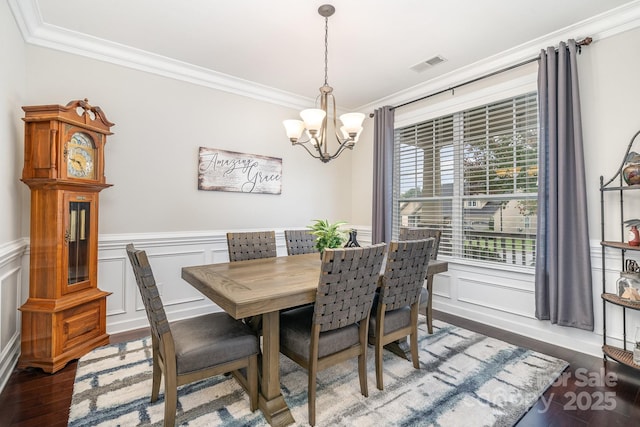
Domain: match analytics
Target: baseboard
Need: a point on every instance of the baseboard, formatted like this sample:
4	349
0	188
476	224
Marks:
9	360
581	341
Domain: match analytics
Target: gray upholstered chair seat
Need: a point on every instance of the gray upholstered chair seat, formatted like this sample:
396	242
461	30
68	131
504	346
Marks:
211	339
393	321
295	327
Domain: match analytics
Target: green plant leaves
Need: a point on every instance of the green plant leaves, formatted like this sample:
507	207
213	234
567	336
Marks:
328	235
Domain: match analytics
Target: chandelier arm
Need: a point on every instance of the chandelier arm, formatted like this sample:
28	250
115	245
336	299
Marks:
319	146
303	145
341	148
300	142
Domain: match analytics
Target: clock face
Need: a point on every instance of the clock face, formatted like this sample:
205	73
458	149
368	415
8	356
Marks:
81	156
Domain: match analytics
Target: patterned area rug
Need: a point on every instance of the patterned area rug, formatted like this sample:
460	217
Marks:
464	379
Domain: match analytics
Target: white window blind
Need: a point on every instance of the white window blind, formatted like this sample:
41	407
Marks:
474	175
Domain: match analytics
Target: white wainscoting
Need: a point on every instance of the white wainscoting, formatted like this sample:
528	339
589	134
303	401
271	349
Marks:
501	298
11	276
505	299
167	253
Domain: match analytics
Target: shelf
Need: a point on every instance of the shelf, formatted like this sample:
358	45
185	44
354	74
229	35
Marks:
623	188
615	299
620	245
619	355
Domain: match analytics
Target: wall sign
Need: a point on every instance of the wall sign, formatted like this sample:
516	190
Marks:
220	170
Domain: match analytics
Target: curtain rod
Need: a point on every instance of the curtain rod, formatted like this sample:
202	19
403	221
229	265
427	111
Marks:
584	42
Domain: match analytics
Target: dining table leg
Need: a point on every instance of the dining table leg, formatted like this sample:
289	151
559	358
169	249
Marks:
429	312
271	401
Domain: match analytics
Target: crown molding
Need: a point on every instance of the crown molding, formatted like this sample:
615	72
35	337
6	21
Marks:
35	31
602	26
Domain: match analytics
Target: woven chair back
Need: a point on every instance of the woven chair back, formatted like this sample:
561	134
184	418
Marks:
420	234
404	274
300	242
149	291
348	280
251	245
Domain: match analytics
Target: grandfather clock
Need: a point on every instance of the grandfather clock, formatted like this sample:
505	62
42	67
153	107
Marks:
65	314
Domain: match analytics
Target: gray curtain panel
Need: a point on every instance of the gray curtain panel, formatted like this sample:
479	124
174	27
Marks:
382	175
563	263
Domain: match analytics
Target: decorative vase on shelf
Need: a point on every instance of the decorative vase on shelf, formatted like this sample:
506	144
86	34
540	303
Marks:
627	279
631	169
634	236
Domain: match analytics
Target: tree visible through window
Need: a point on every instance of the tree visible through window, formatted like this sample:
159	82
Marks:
473	174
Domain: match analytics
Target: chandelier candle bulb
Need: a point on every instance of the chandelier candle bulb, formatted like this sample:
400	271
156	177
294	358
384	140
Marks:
352	123
313	119
294	129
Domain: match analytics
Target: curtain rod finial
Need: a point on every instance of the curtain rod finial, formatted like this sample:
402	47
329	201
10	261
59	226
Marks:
586	41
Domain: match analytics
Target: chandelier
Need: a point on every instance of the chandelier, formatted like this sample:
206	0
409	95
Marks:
314	120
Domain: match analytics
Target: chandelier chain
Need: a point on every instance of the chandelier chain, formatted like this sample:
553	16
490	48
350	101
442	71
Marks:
326	50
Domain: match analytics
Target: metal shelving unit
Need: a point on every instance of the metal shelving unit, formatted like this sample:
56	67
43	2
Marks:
621	355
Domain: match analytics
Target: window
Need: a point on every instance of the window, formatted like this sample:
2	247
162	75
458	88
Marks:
473	174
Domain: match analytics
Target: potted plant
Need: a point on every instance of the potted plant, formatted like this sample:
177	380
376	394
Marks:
327	235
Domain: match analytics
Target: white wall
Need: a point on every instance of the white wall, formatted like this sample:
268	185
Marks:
151	159
12	92
12	245
610	92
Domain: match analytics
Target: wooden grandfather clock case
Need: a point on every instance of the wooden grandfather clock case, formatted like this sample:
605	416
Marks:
65	314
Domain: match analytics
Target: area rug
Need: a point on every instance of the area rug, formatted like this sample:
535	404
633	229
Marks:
465	379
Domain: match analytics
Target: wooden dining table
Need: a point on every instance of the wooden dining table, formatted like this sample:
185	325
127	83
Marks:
265	287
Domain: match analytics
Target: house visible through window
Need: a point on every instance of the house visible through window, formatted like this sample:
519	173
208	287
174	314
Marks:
474	175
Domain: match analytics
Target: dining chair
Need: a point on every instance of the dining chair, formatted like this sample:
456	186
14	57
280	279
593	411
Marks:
300	242
251	245
193	349
426	295
334	329
395	309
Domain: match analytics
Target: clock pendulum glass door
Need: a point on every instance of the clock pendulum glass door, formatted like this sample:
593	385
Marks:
78	240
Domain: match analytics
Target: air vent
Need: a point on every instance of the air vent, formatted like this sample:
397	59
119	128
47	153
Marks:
428	63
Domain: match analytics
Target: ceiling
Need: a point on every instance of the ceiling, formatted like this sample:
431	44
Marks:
276	47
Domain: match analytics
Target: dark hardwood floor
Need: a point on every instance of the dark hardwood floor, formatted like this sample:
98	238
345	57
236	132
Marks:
595	393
